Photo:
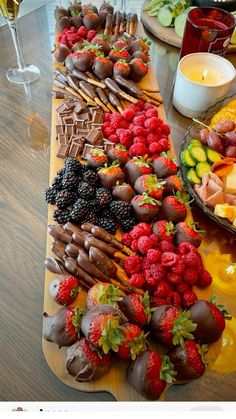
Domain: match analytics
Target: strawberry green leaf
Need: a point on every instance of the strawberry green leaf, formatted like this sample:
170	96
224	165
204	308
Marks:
137	345
112	336
203	349
167	372
76	319
74	291
182	329
221	307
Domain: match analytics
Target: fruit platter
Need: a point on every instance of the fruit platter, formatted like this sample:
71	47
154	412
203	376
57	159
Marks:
127	291
208	154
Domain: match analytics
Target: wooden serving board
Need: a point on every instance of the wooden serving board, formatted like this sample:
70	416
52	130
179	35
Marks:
168	35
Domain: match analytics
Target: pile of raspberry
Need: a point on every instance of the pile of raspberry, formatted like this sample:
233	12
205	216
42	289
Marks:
167	271
139	129
71	36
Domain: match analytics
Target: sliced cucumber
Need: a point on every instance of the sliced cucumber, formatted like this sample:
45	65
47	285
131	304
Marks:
186	159
212	155
197	153
166	16
202	168
194	141
192	177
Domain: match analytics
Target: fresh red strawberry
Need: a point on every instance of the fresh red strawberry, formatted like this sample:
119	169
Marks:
138	149
121	68
136	308
140	44
151	185
117	54
149	373
210	320
170	326
96	158
64	289
85	363
188	361
102	327
82	32
103	42
165	230
123	192
174	207
163	166
102	67
118	153
145	208
139	69
63	327
187	232
137	167
134	342
91	34
103	293
109	175
92	21
173	184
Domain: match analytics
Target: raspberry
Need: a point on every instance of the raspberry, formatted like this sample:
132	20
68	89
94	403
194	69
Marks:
126	239
144	244
114	138
139	139
182	287
152	123
128	114
124	124
163	289
179	267
150	280
139	120
145	263
106	116
192	260
164	144
132	264
151	112
141	229
148	105
174	299
116	119
138	149
165	129
107	132
125	137
154	148
189	298
190	276
155	241
153	255
158	271
168	259
139	131
156	302
204	279
106	124
82	31
91	34
137	280
166	246
140	104
174	278
134	245
185	248
152	138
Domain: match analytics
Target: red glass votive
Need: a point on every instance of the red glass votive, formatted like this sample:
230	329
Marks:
207	29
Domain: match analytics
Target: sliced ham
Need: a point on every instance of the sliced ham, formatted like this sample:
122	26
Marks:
216	198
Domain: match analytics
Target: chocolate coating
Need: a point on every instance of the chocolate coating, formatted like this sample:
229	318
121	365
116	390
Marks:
181	236
123	192
155	322
133	172
161	170
102	261
207	330
92	23
102	69
143	213
55	265
54	328
179	358
169	213
109	180
83	62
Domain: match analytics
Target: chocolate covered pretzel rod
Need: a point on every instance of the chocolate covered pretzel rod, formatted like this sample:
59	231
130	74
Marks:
80	75
104	98
114	88
90	91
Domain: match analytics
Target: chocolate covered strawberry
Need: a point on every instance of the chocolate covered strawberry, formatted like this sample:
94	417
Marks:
188	233
163	166
149	374
63	327
62	23
103	42
117	54
123	192
85	363
133	343
102	327
210	320
96	158
103	293
76	21
171	326
92	21
136	308
59	12
61	53
107	6
151	185
118	153
174	207
102	67
142	55
188	360
121	68
75	8
165	230
173	184
137	167
145	207
64	289
140	44
82	60
109	175
139	69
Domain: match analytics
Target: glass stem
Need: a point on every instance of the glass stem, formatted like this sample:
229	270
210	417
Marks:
19	57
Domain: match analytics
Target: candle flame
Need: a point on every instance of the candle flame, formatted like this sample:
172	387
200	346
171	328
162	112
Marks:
204	74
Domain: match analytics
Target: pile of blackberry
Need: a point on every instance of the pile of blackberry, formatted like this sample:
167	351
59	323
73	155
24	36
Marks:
124	215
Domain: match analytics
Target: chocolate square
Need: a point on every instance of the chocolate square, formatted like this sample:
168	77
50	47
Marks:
63	151
60	129
63	139
70	129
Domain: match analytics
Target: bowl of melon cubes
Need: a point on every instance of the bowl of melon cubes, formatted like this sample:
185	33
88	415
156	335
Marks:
208	162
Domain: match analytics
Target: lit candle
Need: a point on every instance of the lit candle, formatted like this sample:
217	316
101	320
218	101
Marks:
201	80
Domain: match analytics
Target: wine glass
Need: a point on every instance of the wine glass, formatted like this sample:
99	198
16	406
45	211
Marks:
23	74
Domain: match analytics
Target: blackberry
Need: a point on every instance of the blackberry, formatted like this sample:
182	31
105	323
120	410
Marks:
85	190
73	165
79	209
65	198
90	217
57	181
103	197
50	195
121	209
90	177
127	224
61	216
109	224
70	181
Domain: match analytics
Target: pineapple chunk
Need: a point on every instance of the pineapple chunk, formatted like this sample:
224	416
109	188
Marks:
225	211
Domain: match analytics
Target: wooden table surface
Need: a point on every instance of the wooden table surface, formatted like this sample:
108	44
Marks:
25	117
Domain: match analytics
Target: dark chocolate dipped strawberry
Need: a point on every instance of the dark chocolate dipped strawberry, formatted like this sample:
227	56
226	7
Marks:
63	23
171	326
140	44
136	308
121	68
109	175
188	360
123	192
173	184
64	289
149	374
117	54
118	153
121	43
92	21
85	363
210	320
59	12
164	230
76	21
82	60
151	185
134	342
174	207
75	8
69	63
63	327
106	6
188	233
103	16
102	67
96	158
139	69
142	55
103	42
163	166
137	167
61	53
88	8
145	207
